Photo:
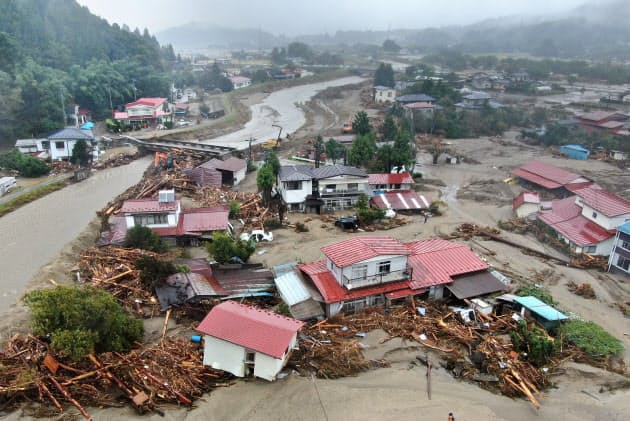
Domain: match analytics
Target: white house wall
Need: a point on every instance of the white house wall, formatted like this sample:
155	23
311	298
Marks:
341	183
65	152
224	355
526	209
602	220
239	176
297	196
141	110
397	263
267	367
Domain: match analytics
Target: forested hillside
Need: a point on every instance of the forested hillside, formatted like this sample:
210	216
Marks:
56	51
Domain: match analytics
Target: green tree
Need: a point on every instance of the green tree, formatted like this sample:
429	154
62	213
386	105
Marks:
265	181
144	238
299	49
403	151
154	271
362	151
273	161
388	129
80	153
334	150
26	165
361	124
82	320
223	248
384	75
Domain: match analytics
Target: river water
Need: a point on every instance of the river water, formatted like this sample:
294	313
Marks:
35	233
280	108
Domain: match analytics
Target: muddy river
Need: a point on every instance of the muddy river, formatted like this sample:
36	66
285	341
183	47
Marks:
281	108
35	233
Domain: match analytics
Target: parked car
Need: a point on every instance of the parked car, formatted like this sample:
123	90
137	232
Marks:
257	236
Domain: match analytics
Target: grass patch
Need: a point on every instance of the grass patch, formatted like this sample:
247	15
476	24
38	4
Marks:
542	294
591	338
29	197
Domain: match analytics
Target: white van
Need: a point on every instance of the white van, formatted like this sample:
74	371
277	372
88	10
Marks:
6	184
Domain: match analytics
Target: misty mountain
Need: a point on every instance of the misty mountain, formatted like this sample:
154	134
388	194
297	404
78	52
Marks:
195	36
595	30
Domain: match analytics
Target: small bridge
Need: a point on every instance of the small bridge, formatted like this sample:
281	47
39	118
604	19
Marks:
165	145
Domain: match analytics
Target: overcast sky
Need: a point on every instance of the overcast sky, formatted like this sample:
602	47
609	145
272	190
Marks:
295	17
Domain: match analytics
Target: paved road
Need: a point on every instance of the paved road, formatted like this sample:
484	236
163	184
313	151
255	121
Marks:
19	192
35	233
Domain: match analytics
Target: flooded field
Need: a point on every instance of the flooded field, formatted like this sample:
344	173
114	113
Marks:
35	233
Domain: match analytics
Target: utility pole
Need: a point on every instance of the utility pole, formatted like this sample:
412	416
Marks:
63	107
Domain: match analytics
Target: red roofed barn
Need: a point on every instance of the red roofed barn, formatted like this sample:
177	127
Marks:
547	176
245	340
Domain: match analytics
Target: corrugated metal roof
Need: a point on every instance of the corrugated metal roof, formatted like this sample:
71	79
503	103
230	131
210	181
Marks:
415	98
604	201
151	102
358	249
596	116
400	200
328	171
544	310
291	288
202	220
232	164
252	328
475	285
244	281
390	178
536	179
561	210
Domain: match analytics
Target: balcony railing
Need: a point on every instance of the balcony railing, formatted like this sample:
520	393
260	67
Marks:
340	192
376	279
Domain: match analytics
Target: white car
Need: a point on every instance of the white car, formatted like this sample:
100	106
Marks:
257	236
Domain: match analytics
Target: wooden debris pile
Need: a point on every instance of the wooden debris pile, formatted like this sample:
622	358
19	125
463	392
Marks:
332	348
517	225
251	209
115	161
588	261
113	269
583	290
467	231
169	373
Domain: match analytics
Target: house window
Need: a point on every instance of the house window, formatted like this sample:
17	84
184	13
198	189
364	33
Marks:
353	186
625	245
590	249
60	145
45	145
293	185
623	263
330	188
389	94
151	219
359	272
594	215
396	186
384	267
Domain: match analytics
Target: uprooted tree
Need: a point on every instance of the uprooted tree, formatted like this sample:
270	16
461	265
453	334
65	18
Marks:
82	320
224	249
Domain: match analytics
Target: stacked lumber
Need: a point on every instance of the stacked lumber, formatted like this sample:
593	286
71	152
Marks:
169	373
251	209
113	269
588	261
332	348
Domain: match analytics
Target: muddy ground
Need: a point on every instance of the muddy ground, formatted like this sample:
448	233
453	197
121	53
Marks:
473	192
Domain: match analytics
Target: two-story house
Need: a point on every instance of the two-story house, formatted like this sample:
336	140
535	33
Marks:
383	94
619	261
476	101
587	222
144	111
331	187
390	181
372	271
166	218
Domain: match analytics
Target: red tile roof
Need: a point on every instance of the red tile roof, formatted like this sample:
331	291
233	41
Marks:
611	124
357	249
397	178
545	175
259	330
604	201
419	105
526	197
148	205
333	292
435	261
231	164
151	102
597	116
561	210
400	200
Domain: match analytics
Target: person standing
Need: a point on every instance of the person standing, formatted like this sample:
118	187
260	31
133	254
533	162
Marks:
451	417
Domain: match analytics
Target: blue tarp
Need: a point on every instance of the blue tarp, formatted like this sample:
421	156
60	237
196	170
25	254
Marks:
87	126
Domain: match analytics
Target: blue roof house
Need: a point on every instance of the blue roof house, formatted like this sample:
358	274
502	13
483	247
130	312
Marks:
575	152
532	307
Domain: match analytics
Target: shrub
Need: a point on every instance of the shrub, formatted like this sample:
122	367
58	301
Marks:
235	209
153	271
144	238
223	248
272	224
369	216
591	338
26	165
542	294
82	320
535	342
